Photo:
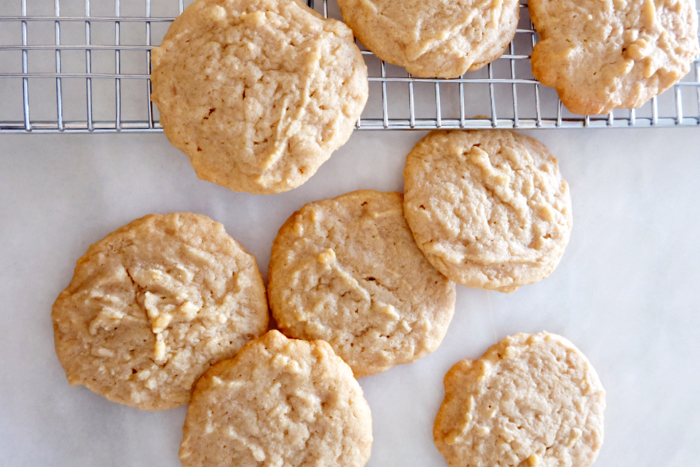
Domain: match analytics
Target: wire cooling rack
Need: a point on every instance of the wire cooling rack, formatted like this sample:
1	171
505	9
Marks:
82	66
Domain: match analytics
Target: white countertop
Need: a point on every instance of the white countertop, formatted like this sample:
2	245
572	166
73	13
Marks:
627	291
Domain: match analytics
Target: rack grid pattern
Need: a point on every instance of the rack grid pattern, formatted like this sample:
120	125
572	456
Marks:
75	67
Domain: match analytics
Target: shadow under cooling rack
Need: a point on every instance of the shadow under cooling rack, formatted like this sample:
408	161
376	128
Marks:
73	66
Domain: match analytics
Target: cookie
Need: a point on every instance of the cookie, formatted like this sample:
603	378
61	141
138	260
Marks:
258	93
601	56
433	38
488	208
153	305
279	402
346	270
530	400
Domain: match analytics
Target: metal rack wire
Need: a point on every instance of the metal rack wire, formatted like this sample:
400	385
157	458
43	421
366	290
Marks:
74	67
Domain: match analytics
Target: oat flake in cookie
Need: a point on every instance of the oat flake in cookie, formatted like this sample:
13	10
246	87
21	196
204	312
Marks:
488	208
346	270
280	402
258	93
153	305
530	400
601	56
434	38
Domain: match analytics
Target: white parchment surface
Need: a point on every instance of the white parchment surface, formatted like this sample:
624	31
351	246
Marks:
627	291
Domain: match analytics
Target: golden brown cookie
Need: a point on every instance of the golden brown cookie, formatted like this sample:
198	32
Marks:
280	402
346	270
530	400
601	56
258	93
488	208
433	38
153	305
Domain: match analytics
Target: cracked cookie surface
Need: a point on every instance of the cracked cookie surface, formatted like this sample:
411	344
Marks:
258	93
153	305
346	270
530	400
279	402
489	208
434	38
601	56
